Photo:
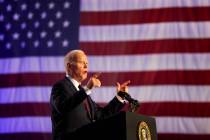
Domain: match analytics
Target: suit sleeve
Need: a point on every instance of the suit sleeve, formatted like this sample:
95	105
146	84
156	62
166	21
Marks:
63	100
111	108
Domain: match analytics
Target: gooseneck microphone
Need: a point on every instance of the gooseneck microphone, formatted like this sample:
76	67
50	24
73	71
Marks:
134	104
125	96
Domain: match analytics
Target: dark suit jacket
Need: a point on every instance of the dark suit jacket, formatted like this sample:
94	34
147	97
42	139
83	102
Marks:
68	112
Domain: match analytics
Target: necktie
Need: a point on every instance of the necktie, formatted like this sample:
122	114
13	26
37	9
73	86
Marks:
86	104
87	107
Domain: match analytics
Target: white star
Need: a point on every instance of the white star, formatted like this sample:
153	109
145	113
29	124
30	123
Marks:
49	43
23	44
50	24
30	15
65	43
66	24
8	45
1	37
36	43
57	34
23	25
43	15
1	17
15	36
9	8
51	5
58	15
37	5
16	16
43	34
8	26
66	5
23	6
36	24
29	34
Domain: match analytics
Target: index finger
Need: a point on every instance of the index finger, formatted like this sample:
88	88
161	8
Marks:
96	75
126	83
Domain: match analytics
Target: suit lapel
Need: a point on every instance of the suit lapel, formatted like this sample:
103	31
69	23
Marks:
89	100
70	84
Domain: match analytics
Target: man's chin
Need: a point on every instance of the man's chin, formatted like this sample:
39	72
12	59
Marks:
84	77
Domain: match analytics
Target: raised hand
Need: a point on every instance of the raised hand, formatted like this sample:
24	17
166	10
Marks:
123	87
94	81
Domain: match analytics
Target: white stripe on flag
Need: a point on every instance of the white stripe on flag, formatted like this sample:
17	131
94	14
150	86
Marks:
156	93
25	94
113	5
176	61
183	125
142	93
43	124
151	62
25	124
31	64
152	31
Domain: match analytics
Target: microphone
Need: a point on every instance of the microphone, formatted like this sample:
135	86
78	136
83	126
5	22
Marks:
134	104
125	95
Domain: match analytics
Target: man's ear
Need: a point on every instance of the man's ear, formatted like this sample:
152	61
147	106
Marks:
68	66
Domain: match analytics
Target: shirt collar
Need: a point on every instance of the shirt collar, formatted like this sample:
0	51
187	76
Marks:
75	83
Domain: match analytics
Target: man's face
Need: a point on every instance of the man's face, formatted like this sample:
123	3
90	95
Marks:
79	67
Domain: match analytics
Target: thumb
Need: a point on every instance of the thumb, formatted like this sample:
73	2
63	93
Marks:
118	86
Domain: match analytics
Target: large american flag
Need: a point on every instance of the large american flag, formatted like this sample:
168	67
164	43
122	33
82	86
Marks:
162	46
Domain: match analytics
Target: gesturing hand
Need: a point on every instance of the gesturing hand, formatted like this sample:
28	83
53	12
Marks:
94	81
123	87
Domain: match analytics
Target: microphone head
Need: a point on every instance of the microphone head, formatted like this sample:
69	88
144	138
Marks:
122	94
134	104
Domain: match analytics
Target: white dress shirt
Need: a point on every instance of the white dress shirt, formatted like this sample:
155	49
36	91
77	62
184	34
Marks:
76	85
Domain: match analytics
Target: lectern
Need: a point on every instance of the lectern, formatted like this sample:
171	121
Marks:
122	126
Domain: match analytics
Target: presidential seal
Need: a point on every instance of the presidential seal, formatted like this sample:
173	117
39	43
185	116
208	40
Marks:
143	131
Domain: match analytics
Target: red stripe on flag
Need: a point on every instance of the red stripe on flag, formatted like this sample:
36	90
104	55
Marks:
170	77
48	136
26	136
188	109
183	137
30	79
24	109
147	47
145	16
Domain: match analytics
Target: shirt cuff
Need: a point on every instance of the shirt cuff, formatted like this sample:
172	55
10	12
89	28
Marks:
120	99
87	90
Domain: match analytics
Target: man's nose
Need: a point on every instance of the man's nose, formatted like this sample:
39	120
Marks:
85	65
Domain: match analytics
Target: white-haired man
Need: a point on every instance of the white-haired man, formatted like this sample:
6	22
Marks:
68	98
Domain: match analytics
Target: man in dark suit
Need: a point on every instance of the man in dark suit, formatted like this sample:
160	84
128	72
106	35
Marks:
71	105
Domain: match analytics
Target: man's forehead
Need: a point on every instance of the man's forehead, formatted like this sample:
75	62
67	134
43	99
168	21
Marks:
82	57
